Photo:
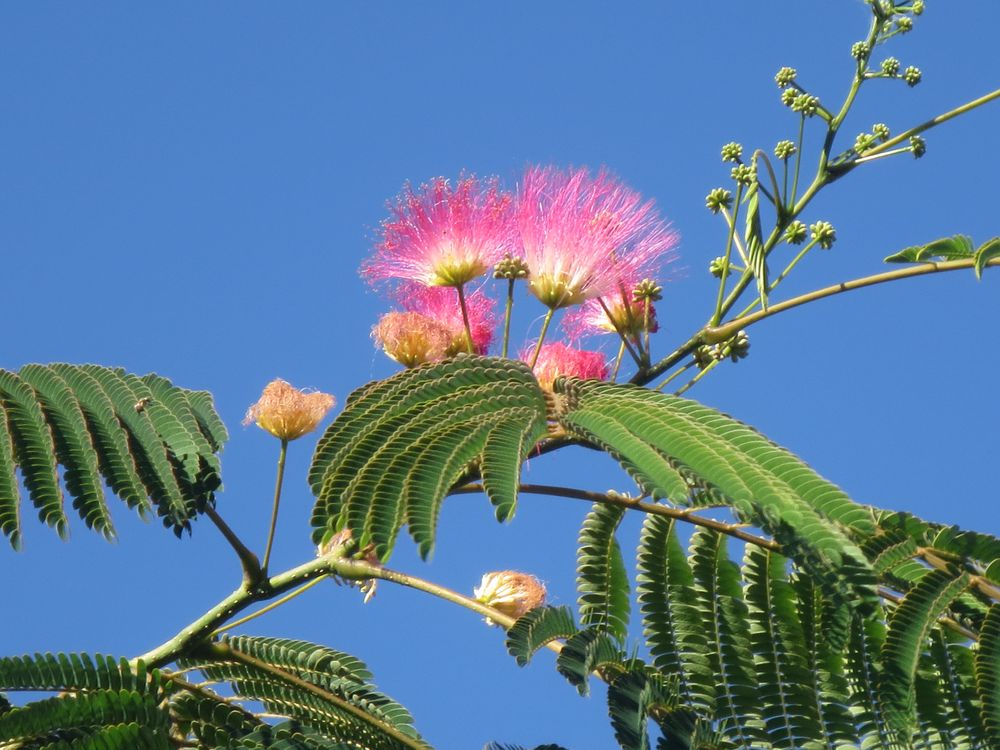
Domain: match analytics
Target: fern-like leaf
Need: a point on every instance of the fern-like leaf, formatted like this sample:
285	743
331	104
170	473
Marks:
536	628
601	579
399	445
988	674
588	651
151	442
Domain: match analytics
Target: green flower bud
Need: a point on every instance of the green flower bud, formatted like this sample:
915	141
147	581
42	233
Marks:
863	142
881	131
737	348
785	77
705	355
823	234
784	149
732	151
647	289
918	146
743	174
904	24
860	50
918	7
912	75
718	199
795	233
510	267
807	104
788	96
716	266
890	66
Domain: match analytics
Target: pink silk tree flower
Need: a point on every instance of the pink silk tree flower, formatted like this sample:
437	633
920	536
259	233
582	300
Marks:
581	234
413	339
627	315
441	305
558	359
441	235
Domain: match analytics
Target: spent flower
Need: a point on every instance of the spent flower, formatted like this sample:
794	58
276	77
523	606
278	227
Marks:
510	592
287	412
412	338
441	305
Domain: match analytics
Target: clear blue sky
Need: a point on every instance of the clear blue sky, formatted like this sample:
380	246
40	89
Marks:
188	188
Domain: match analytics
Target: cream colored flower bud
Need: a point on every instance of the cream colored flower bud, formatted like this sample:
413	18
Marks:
287	412
510	592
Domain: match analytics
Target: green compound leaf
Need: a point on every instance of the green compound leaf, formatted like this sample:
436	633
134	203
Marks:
588	651
400	444
601	580
987	252
906	639
946	248
651	434
537	628
987	665
154	444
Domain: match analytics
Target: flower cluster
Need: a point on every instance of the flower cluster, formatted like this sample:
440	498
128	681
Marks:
576	239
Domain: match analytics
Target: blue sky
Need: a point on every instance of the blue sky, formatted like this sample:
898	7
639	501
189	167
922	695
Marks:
190	188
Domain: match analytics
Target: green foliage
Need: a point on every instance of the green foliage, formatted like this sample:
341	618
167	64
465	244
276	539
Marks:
154	444
537	628
959	247
590	650
601	579
400	444
765	485
320	687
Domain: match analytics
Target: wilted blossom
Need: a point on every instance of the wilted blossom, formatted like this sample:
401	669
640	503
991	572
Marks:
582	235
441	304
288	413
510	592
558	359
412	338
441	235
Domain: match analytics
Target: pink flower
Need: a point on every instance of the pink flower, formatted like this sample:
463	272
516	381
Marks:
557	359
581	235
443	236
441	305
627	313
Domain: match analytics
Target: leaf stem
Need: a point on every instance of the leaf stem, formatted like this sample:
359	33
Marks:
277	501
273	605
693	381
639	360
712	335
618	361
252	570
676	374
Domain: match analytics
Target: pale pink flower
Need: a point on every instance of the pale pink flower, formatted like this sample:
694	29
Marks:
581	234
558	359
412	339
627	313
441	304
441	235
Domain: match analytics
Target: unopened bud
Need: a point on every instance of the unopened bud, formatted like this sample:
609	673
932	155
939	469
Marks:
795	233
912	75
647	289
784	149
743	174
732	152
860	50
785	77
807	104
881	131
918	146
890	66
718	199
823	234
511	268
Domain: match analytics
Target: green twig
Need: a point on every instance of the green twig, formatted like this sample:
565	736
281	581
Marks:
276	504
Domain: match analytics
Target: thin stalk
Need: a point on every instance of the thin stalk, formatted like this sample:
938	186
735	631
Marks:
465	318
506	316
676	374
721	333
875	157
277	501
621	334
788	269
228	653
273	605
798	164
935	121
541	336
759	154
618	361
693	381
252	571
717	315
732	233
645	330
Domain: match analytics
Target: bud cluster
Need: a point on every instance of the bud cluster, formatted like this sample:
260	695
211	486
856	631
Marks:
784	149
732	152
718	199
